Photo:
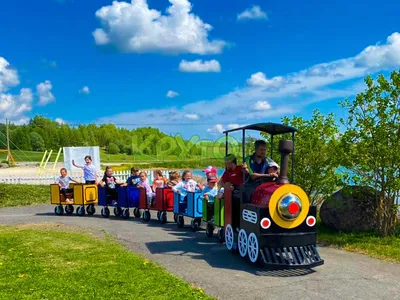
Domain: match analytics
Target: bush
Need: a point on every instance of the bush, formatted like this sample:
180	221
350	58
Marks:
112	148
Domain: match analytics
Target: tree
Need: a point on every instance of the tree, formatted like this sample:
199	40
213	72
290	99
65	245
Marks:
37	142
315	151
112	148
371	145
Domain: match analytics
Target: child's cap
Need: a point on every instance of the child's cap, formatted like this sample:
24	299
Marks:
230	158
210	169
273	164
212	178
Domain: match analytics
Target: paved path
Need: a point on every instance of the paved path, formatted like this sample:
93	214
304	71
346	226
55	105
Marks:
202	261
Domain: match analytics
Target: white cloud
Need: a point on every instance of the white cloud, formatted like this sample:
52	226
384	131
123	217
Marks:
233	126
60	121
134	27
44	92
253	13
286	94
172	94
8	76
261	105
85	90
191	116
200	66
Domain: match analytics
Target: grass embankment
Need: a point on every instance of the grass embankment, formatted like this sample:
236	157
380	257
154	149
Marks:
53	262
371	244
23	194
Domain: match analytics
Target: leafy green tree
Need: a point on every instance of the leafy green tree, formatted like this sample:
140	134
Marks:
371	144
37	141
112	148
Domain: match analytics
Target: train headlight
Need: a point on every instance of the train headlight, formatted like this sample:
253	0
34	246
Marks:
289	206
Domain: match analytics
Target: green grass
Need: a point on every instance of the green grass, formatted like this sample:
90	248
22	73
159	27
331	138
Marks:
371	244
53	262
23	194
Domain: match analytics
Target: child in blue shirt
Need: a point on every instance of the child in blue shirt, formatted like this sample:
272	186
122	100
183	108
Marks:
134	179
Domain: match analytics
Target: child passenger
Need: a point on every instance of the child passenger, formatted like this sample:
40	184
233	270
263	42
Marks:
63	182
159	180
89	170
273	170
110	182
144	184
186	185
134	179
173	179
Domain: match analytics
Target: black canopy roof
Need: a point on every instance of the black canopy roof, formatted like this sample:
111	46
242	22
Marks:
270	128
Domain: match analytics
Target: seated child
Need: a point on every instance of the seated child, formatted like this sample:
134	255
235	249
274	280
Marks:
173	179
134	179
159	180
273	170
210	192
63	182
110	182
144	184
186	185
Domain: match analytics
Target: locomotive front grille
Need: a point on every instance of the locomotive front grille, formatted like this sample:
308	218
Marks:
301	256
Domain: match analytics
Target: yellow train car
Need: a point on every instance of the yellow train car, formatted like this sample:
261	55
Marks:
83	195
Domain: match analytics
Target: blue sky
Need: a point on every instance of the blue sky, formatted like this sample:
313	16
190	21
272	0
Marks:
223	63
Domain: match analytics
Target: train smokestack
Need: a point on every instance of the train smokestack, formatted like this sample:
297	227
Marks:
285	148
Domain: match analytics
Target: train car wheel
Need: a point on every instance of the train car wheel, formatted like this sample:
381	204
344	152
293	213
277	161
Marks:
210	230
58	210
125	213
136	212
242	243
105	212
80	211
221	235
69	209
175	218
146	215
163	217
158	215
229	237
252	248
117	211
195	225
90	209
180	221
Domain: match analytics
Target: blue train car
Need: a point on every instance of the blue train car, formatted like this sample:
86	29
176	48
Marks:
126	197
190	206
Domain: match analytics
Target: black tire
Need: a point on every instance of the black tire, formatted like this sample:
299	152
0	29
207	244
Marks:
125	213
180	221
210	230
58	210
146	216
117	211
175	218
69	209
105	212
194	225
90	209
221	235
163	217
159	215
80	211
136	212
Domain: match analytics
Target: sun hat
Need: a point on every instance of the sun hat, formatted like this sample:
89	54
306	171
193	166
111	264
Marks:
273	164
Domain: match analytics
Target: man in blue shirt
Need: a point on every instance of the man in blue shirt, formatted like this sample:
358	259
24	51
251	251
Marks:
256	165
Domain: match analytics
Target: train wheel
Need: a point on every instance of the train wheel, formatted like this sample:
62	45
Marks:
125	213
58	210
69	209
175	218
195	225
221	235
80	211
242	243
229	237
209	230
253	248
159	215
163	217
136	212
146	215
90	209
117	211
105	212
180	221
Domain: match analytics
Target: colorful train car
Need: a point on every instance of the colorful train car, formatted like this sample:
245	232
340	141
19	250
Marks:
190	206
163	203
